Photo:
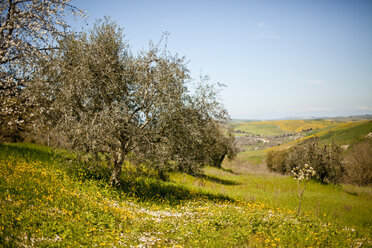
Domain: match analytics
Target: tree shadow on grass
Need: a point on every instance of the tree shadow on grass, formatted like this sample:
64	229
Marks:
151	189
27	152
351	192
144	188
229	170
217	180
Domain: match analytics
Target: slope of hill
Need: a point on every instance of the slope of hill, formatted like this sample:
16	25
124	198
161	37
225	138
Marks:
45	204
256	128
301	125
347	133
280	127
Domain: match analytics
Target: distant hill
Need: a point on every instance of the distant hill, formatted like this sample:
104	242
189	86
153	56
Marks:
328	131
337	118
281	127
347	133
352	118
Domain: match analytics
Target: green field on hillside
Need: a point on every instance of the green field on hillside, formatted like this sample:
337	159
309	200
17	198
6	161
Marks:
282	126
256	128
46	204
343	134
348	133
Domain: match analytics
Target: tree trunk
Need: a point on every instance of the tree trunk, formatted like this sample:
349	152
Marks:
48	137
299	196
115	176
162	175
218	160
299	207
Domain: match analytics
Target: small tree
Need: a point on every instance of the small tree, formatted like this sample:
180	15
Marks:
326	160
115	106
302	174
277	161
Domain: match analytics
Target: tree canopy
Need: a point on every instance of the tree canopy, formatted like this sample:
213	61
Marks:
116	106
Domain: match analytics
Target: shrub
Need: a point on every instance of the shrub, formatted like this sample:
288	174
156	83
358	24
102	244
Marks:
359	164
325	160
276	161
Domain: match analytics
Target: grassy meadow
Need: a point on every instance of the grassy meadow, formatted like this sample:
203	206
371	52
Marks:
46	204
345	204
257	128
46	201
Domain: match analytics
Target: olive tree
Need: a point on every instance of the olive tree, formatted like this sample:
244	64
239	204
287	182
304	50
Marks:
28	31
326	160
108	103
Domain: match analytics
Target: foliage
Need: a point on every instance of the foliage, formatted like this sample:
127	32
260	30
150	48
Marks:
325	160
43	206
277	161
105	102
359	164
28	30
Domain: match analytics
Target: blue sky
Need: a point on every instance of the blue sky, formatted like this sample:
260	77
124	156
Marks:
277	58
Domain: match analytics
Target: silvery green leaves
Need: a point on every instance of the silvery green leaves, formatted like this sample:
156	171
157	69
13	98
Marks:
116	106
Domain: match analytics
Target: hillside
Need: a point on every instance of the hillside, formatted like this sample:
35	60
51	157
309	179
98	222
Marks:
341	133
44	203
279	127
345	134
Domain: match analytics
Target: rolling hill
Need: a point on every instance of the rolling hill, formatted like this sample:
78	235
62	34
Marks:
341	133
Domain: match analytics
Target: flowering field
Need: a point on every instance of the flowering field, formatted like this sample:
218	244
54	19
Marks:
43	205
346	204
283	126
299	125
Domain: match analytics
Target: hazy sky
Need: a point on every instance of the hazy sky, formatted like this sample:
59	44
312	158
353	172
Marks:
277	58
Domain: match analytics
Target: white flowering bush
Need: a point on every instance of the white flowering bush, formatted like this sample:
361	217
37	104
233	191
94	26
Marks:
302	174
29	31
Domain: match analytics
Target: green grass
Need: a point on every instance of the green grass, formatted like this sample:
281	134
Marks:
324	129
347	134
253	156
44	203
346	204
